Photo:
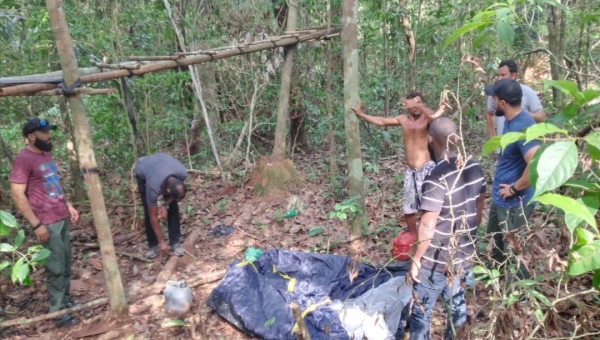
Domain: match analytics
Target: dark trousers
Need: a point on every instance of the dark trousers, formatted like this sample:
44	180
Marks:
58	264
500	222
433	284
173	219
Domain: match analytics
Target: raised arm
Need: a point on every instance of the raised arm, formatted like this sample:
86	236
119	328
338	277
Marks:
377	120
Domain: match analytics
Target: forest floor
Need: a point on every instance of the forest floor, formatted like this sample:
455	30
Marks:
259	224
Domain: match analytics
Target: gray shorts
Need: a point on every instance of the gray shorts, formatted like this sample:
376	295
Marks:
413	184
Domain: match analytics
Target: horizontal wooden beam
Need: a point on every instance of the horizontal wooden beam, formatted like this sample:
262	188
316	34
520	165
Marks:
266	44
60	92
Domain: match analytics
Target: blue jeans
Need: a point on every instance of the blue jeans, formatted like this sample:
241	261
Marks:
432	285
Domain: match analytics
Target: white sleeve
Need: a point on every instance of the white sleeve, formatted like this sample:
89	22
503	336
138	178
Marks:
490	105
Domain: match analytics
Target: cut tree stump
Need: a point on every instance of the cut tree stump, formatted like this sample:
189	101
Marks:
274	179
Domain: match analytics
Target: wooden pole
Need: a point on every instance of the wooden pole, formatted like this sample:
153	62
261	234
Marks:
169	64
87	91
87	160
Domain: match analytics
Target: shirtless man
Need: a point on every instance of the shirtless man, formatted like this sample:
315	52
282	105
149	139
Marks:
418	159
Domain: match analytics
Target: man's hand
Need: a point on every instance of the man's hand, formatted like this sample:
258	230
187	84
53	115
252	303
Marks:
42	234
358	108
74	214
415	268
505	191
162	245
162	212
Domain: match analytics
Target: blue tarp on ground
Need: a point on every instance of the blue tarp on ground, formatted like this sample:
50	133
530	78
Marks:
256	297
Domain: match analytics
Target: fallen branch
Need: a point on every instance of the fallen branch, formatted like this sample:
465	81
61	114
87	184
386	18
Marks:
133	257
301	332
583	132
59	92
116	66
203	279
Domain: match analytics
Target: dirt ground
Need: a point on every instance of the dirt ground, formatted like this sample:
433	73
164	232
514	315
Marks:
257	224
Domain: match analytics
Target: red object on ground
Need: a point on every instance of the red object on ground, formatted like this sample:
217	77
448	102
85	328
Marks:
402	244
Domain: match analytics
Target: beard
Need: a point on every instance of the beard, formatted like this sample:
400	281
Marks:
45	146
499	113
415	113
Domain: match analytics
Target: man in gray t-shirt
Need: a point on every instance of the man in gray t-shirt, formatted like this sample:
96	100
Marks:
530	101
161	175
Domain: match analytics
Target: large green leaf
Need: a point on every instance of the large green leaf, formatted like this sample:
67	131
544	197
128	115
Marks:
7	219
596	279
582	184
41	255
584	259
6	248
470	26
505	32
20	238
20	271
4	264
569	205
509	138
593	139
583	237
491	145
541	129
589	95
502	12
573	221
556	164
566	86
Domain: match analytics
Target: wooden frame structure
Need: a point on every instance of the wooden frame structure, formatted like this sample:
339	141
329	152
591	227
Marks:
44	84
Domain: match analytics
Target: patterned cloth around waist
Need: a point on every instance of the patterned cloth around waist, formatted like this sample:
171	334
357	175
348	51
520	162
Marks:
413	183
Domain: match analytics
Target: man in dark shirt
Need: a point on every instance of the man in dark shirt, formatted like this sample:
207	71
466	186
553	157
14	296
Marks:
161	174
453	195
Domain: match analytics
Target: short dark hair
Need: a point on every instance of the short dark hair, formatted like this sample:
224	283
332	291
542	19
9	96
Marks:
177	188
415	95
512	66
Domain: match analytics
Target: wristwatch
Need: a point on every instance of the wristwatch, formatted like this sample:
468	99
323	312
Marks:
514	189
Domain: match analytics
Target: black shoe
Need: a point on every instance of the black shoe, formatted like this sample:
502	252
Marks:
71	304
66	320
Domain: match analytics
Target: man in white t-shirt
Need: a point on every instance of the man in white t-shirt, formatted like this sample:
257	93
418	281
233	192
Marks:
530	101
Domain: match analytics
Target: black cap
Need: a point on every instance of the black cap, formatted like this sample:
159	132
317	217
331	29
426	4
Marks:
36	124
505	89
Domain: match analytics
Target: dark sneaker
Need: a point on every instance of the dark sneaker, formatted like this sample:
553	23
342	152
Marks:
151	253
71	304
177	249
66	320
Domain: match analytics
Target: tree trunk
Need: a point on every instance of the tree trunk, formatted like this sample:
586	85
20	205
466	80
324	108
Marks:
556	45
297	121
355	170
332	165
76	180
135	136
87	160
410	44
284	91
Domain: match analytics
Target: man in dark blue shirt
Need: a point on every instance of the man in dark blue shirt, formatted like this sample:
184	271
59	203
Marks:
511	190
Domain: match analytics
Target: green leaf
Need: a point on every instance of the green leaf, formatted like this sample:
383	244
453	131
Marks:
173	323
502	12
20	238
505	32
491	145
270	321
543	299
315	231
483	16
6	248
570	111
539	315
513	297
131	337
526	283
595	279
20	271
572	221
3	230
566	86
470	26
7	219
569	205
40	255
581	184
556	4
583	237
593	139
479	270
342	215
556	164
509	138
541	129
479	40
589	95
4	265
584	259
